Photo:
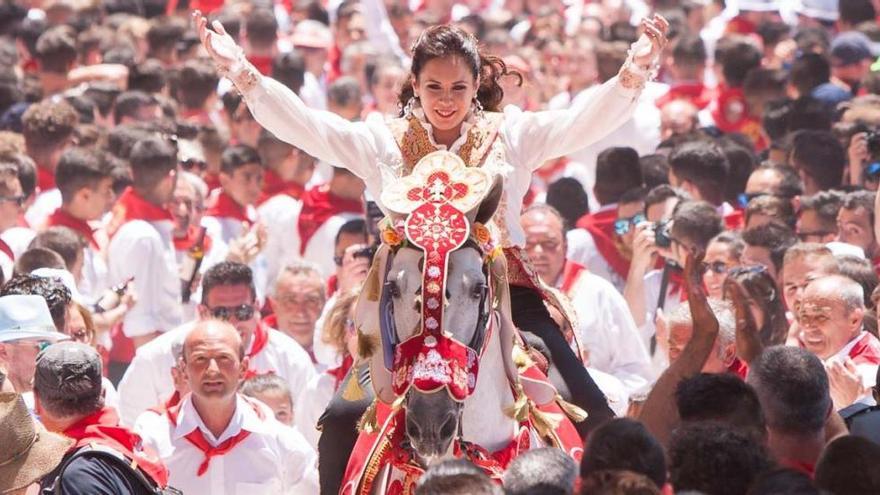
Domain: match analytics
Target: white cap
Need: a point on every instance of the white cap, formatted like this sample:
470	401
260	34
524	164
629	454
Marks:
27	317
824	10
844	249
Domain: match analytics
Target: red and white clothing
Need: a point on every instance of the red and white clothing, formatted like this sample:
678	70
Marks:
319	220
94	269
280	213
255	455
212	256
864	351
147	381
606	328
48	199
142	247
593	244
675	295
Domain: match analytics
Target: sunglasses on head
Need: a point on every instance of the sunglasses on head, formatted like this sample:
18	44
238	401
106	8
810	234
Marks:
622	225
241	313
740	270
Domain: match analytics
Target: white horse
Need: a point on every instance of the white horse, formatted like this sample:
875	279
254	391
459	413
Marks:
499	412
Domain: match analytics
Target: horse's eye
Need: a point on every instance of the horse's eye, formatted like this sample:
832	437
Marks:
393	289
478	291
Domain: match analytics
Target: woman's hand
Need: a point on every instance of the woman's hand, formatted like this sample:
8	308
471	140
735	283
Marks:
704	320
652	42
845	383
223	50
748	339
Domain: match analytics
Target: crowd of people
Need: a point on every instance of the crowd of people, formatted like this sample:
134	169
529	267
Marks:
189	210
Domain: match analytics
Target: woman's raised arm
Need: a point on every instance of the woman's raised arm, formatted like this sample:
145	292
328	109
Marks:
277	108
540	136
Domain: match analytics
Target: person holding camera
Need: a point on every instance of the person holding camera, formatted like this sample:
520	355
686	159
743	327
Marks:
653	288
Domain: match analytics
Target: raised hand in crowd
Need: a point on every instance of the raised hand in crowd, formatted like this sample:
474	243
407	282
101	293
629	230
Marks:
652	41
222	49
748	337
355	267
245	248
858	155
845	383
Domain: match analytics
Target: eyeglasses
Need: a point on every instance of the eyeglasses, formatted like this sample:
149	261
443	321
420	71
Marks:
622	225
718	267
741	270
193	165
744	198
18	200
241	313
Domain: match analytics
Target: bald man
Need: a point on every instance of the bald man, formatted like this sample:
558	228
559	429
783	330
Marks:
830	320
217	440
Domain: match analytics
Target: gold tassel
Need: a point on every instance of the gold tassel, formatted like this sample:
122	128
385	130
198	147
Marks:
521	358
546	423
368	423
366	345
574	412
353	391
519	410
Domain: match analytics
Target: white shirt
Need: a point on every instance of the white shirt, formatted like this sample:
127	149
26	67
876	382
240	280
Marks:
653	280
273	459
94	275
144	250
607	331
369	150
18	239
44	205
280	215
319	249
640	131
224	230
147	381
311	405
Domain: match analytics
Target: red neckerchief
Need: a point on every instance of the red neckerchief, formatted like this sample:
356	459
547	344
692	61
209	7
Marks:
7	250
693	91
212	181
601	226
676	283
739	25
332	285
261	338
318	206
570	275
273	185
338	373
731	114
132	206
207	6
739	368
734	220
45	180
226	207
807	468
103	428
262	63
192	234
866	350
197	438
64	219
334	63
171	402
196	115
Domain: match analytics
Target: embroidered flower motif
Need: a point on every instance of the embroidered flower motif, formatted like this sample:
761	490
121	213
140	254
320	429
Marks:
434	271
432	367
431	323
433	303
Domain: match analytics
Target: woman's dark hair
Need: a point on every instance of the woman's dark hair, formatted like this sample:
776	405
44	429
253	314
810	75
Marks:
446	41
761	288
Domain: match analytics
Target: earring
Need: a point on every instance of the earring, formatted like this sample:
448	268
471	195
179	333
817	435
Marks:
478	108
410	104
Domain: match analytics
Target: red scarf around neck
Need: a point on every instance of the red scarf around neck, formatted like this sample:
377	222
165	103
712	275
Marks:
338	373
866	350
197	438
273	185
318	206
45	180
192	234
601	226
103	428
5	249
64	219
261	338
226	207
171	402
570	275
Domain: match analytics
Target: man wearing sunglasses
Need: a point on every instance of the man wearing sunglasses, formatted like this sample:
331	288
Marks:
228	294
26	328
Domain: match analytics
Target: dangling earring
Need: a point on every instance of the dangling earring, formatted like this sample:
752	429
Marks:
408	109
478	108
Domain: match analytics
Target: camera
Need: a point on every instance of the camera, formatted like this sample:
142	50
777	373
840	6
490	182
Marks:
661	234
872	137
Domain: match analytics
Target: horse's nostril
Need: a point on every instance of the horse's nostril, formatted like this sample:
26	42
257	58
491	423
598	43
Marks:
412	429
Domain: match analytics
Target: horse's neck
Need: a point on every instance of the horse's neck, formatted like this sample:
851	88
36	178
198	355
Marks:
484	421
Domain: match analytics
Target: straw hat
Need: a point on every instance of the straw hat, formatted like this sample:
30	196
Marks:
29	451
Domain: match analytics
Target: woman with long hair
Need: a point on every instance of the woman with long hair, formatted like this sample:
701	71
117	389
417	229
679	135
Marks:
753	289
451	101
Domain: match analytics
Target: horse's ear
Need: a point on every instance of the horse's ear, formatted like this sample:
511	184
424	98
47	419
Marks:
490	203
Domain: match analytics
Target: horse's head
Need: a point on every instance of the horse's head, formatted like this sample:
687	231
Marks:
437	306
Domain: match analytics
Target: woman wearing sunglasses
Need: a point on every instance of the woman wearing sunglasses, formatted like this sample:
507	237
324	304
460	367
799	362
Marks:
722	254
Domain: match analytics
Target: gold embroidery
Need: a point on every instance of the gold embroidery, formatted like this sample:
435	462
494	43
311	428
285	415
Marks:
414	142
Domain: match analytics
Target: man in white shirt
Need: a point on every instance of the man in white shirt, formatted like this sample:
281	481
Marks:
605	327
830	326
227	294
216	440
11	200
141	246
